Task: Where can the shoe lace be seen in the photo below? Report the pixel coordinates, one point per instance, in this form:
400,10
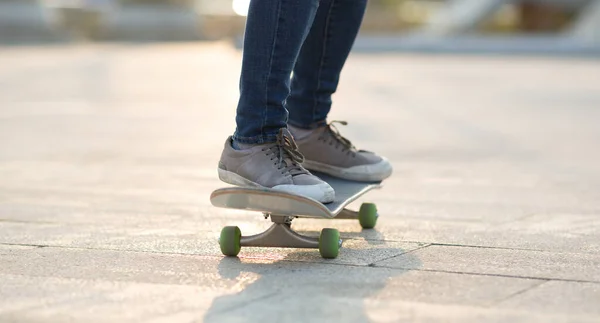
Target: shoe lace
337,139
285,151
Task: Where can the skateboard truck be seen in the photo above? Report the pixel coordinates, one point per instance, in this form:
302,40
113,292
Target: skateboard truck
280,235
346,214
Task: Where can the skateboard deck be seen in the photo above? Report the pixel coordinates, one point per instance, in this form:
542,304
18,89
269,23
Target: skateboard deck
287,204
283,207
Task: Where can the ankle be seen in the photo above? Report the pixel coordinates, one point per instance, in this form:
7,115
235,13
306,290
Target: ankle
240,145
300,133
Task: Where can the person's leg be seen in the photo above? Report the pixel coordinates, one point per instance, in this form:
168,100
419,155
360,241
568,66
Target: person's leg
322,57
275,31
316,77
262,153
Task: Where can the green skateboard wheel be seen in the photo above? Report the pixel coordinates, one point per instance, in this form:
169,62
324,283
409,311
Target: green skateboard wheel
329,243
229,241
367,215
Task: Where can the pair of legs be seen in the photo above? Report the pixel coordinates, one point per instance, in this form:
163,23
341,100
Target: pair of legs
312,39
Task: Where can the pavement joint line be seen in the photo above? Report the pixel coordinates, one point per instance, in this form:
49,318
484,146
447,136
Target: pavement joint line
325,263
466,245
494,275
374,264
543,280
421,243
322,262
197,255
110,249
524,290
371,265
502,248
25,245
421,246
182,254
486,247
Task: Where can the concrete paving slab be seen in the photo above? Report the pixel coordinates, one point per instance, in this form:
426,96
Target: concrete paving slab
509,262
569,298
450,288
400,311
349,309
246,285
37,299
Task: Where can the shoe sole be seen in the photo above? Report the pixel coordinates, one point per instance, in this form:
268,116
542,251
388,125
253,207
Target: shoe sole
237,180
361,173
326,192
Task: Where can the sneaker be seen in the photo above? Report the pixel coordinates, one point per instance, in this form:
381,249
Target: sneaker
275,165
326,151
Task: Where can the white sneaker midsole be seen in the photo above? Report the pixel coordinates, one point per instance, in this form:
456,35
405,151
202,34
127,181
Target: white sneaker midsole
323,192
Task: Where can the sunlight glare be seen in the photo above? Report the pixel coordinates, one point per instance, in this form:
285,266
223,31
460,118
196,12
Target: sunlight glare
240,7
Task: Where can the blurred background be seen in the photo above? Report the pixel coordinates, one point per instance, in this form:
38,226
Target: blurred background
507,25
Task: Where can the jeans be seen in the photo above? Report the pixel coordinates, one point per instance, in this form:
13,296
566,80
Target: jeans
312,39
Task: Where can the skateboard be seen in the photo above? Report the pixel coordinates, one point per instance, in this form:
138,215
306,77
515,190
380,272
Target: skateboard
283,207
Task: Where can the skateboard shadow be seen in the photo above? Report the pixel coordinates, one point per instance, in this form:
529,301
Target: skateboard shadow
302,287
371,236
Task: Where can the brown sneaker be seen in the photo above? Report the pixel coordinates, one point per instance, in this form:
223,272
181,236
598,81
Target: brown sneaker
274,165
325,150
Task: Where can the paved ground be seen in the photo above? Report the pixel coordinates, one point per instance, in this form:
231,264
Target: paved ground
108,155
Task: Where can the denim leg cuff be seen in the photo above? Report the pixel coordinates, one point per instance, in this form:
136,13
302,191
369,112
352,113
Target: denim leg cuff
256,140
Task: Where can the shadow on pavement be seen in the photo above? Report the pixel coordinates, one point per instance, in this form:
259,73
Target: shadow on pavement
371,236
302,287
